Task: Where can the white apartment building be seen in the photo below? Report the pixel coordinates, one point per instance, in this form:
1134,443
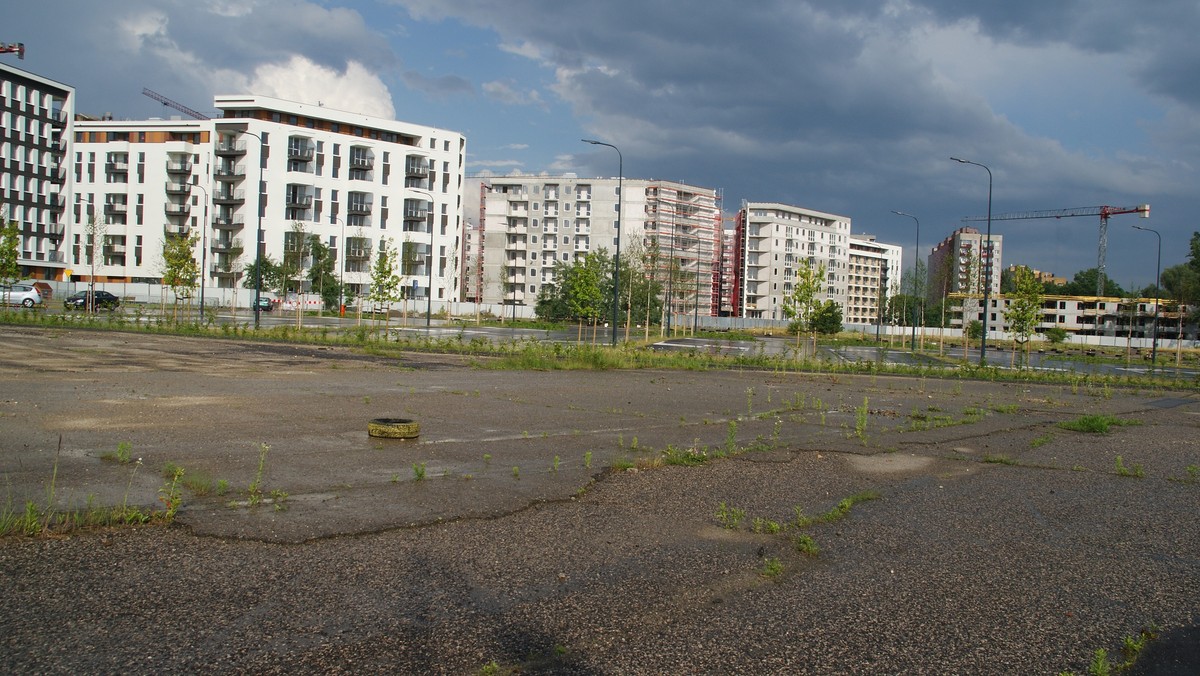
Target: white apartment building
873,276
520,227
775,238
37,117
961,263
353,180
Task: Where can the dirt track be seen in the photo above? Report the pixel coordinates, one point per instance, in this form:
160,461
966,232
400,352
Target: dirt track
961,565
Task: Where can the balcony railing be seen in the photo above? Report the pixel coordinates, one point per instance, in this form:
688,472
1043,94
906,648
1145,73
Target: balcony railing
178,188
235,171
179,167
362,162
176,229
119,167
304,153
298,201
115,208
230,148
358,208
412,168
228,223
173,209
416,214
230,197
358,254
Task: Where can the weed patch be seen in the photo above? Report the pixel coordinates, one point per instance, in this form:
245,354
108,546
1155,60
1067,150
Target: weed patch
1096,424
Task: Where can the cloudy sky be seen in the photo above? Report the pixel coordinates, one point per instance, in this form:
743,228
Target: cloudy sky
851,107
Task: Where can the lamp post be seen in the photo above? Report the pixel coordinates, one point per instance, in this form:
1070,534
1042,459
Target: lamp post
916,262
203,248
258,238
671,274
1157,272
617,255
341,267
987,288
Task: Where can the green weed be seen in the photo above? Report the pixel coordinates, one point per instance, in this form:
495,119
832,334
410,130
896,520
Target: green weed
587,460
761,525
418,469
729,517
1041,441
806,545
1096,423
1136,471
771,567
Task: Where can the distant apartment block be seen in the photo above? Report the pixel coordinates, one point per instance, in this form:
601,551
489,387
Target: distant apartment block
963,263
277,167
774,239
873,275
37,118
521,227
1082,315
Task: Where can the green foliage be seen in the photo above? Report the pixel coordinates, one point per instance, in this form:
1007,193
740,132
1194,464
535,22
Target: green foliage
10,243
418,469
974,329
771,567
385,283
802,303
806,545
1056,335
1136,471
827,319
322,276
729,517
582,290
180,270
1095,423
1025,309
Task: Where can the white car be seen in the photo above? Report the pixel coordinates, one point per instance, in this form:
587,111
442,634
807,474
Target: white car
25,295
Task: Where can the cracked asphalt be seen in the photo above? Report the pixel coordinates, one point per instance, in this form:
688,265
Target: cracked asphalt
997,542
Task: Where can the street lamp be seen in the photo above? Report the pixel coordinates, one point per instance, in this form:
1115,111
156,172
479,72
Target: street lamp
916,264
258,240
1157,272
617,255
203,248
987,288
341,267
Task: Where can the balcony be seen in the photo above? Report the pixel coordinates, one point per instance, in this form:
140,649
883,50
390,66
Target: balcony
230,172
414,167
358,253
304,153
229,223
298,201
416,214
226,245
114,249
178,188
361,162
360,208
117,167
176,230
115,209
229,197
229,148
218,270
173,209
179,167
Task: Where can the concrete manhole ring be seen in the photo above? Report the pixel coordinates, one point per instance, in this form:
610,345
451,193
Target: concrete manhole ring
394,428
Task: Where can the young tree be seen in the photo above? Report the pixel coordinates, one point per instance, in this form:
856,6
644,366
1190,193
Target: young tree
385,283
827,320
585,287
96,231
10,243
322,276
297,245
800,305
272,274
180,271
1025,310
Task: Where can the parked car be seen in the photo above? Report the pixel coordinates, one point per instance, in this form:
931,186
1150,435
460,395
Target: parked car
25,295
265,304
103,300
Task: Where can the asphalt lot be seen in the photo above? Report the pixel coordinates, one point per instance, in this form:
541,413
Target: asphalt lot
998,543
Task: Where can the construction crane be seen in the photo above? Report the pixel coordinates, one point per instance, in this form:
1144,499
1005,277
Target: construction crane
174,104
17,48
1103,212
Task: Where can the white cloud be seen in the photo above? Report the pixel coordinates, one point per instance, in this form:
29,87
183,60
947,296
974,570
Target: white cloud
515,146
355,89
506,94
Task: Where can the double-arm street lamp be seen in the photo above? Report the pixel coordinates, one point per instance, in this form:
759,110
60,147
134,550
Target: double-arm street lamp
987,250
617,255
916,269
1157,292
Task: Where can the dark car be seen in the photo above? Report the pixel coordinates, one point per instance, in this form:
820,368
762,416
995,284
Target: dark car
265,304
103,300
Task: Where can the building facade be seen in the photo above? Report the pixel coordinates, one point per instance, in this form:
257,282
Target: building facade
966,263
521,227
37,117
873,276
775,238
267,171
1083,315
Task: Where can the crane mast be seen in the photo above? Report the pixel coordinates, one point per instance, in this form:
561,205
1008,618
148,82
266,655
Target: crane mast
1102,211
